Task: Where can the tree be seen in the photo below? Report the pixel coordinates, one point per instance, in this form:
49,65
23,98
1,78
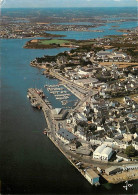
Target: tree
130,151
89,118
133,129
82,124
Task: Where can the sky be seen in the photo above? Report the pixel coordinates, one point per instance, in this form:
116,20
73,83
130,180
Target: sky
68,3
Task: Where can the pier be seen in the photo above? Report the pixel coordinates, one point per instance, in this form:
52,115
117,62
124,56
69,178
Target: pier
35,97
44,104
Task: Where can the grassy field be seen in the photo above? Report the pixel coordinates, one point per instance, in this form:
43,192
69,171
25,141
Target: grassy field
53,41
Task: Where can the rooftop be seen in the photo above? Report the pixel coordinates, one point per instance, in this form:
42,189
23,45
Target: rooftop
66,134
99,149
91,173
107,151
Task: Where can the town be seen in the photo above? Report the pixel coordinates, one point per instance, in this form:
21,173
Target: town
19,28
13,27
99,136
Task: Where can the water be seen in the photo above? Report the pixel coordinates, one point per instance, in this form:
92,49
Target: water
107,30
29,162
28,157
75,23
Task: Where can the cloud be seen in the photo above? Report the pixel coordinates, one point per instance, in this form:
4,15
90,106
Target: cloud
117,0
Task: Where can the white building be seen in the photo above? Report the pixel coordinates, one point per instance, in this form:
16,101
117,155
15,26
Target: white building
103,153
106,153
97,152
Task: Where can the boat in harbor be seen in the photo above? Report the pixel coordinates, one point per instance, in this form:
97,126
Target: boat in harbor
62,98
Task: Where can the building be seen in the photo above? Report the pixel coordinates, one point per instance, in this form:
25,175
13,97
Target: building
83,151
97,152
103,54
112,56
103,153
81,117
106,153
59,113
123,156
113,170
130,167
66,136
92,177
86,82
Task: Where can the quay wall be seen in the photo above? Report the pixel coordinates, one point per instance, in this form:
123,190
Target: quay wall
54,142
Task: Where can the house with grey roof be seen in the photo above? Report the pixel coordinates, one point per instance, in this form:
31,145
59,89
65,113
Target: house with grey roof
66,136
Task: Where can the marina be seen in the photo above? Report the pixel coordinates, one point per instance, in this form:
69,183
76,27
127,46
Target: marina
59,92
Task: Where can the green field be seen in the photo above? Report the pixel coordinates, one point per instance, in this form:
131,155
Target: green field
53,41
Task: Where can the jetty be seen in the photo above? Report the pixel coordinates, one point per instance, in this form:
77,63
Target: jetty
37,98
43,104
